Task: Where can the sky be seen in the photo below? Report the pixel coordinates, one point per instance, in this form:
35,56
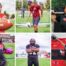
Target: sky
42,39
8,5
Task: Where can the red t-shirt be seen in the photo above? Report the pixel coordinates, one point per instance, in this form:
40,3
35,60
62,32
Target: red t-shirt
34,9
1,16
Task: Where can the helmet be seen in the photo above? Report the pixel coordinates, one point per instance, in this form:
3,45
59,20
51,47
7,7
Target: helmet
8,51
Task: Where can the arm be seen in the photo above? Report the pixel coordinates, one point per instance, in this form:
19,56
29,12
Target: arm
28,50
30,9
35,49
41,10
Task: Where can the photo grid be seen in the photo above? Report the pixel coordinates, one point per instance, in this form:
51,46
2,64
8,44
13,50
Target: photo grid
32,32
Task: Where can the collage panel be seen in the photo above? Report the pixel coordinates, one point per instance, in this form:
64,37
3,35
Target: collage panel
32,15
33,49
32,33
58,15
7,15
58,44
7,50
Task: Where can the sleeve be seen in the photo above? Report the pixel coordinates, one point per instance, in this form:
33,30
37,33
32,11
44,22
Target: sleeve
27,47
31,8
37,46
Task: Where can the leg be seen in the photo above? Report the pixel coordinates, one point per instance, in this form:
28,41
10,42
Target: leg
35,28
29,62
36,63
35,23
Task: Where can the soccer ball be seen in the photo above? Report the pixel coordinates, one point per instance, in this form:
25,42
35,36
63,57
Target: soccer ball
29,25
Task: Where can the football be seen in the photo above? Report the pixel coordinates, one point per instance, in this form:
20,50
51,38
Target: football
5,25
8,51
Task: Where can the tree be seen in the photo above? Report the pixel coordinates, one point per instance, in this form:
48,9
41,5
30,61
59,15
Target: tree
58,3
48,4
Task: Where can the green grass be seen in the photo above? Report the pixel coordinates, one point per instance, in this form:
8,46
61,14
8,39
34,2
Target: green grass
41,29
44,19
10,58
23,62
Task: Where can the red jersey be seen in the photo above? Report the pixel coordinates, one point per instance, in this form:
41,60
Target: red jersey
34,9
1,16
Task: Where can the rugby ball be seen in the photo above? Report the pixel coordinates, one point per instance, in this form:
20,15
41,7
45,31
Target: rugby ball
5,25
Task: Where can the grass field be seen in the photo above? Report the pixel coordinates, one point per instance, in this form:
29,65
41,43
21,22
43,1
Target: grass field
44,19
10,58
23,62
40,29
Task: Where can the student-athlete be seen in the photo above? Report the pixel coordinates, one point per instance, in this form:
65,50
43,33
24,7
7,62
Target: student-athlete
4,23
2,58
36,11
32,49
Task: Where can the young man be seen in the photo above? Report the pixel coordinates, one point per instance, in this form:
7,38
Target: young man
2,58
4,23
32,49
36,12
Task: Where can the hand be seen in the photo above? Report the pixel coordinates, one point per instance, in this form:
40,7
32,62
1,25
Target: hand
33,48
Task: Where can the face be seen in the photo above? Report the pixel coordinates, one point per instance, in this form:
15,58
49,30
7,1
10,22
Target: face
65,10
32,41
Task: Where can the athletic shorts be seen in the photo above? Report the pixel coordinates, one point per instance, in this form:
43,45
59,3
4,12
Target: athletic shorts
36,20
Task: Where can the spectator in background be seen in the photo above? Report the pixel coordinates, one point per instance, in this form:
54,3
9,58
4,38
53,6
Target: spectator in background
23,11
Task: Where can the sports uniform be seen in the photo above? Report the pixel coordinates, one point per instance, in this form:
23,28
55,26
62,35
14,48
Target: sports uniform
32,57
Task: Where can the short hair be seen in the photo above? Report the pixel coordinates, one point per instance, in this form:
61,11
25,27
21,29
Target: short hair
32,39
